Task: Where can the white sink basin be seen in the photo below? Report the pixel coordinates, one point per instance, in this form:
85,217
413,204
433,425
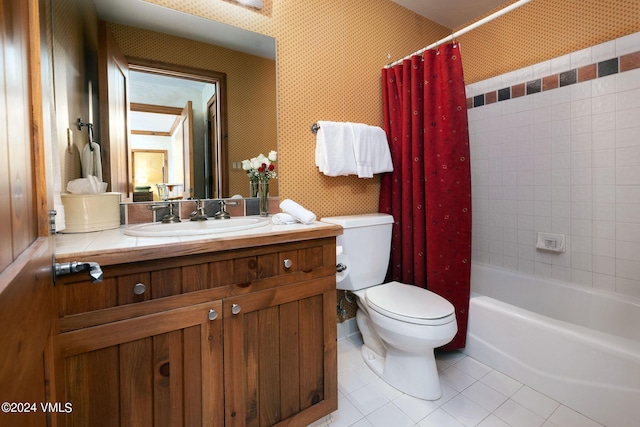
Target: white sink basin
196,228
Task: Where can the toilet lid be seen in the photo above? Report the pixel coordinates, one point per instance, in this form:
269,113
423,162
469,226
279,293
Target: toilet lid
410,304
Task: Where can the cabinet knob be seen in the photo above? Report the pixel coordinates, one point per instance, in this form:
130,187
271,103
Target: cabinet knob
235,309
139,288
287,263
213,315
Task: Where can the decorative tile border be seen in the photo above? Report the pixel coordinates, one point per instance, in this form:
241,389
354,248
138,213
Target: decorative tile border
577,75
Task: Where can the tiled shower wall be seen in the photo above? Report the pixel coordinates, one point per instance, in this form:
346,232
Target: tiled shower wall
561,157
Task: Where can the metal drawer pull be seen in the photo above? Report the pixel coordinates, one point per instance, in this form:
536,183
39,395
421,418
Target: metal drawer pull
287,263
213,315
235,309
139,288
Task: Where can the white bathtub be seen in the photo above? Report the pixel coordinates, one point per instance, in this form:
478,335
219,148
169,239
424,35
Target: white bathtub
577,345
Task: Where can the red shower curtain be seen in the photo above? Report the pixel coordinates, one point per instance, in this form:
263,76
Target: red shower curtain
429,191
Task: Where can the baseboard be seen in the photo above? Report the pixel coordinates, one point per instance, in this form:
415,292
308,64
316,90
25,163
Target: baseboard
347,328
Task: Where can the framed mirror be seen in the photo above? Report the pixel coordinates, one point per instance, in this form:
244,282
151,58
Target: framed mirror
222,137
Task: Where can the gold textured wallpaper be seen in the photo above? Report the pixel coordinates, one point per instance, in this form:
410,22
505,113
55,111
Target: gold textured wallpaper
330,52
544,29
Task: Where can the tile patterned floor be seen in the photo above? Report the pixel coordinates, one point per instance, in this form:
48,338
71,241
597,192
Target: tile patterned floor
473,395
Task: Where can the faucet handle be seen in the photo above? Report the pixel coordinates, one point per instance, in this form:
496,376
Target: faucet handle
199,208
222,213
198,214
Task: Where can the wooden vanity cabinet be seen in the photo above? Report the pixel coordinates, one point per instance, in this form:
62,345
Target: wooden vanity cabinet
244,337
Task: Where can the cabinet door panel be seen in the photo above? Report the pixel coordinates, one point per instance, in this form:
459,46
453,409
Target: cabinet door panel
269,368
167,370
168,379
135,366
290,359
279,354
92,378
311,351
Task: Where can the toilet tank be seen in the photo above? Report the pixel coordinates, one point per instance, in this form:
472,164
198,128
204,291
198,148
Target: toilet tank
366,246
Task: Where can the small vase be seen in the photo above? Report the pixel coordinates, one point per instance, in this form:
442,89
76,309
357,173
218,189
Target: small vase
253,188
263,195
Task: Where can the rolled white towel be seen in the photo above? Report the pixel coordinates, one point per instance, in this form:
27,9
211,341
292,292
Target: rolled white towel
283,218
298,212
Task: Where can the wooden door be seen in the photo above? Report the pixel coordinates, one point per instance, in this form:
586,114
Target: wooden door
279,355
113,76
26,250
214,180
186,129
162,369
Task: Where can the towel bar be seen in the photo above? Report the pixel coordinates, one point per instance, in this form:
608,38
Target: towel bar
314,128
89,131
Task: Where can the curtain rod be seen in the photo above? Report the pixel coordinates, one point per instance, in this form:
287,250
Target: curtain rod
464,30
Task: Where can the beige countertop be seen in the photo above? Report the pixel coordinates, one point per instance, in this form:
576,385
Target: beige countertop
115,247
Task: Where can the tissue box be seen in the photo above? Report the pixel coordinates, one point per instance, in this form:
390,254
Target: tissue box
91,212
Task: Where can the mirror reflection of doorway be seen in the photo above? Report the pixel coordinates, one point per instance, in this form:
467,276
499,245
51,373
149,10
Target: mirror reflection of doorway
149,167
160,127
166,85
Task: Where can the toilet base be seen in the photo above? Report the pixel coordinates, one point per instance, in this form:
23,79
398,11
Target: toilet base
414,375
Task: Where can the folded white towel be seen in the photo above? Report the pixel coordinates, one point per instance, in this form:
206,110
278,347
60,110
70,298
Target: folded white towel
283,218
334,149
371,150
298,212
88,185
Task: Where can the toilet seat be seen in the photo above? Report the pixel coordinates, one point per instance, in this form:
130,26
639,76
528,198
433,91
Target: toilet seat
410,304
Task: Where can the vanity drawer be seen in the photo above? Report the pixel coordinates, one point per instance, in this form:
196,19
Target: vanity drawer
220,274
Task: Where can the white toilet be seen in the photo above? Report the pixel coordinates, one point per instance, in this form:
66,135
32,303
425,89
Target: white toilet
400,324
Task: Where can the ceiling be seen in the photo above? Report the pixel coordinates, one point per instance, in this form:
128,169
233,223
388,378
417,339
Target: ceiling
139,13
157,122
451,13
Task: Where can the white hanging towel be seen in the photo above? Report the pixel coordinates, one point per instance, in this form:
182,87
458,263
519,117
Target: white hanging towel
334,149
91,160
371,150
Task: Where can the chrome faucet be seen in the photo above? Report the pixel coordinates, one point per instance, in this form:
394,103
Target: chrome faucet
198,214
171,217
222,213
